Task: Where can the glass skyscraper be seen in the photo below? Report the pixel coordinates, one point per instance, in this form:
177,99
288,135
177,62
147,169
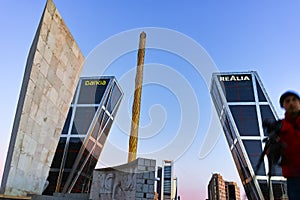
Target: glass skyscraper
165,186
85,131
242,104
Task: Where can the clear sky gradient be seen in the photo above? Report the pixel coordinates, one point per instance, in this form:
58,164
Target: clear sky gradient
262,36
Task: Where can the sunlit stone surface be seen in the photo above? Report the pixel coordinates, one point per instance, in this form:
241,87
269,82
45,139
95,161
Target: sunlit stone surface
52,72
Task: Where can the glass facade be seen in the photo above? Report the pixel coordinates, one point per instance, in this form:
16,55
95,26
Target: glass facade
165,187
242,104
86,128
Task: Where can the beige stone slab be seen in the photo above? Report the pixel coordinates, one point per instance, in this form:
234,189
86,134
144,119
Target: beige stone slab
52,72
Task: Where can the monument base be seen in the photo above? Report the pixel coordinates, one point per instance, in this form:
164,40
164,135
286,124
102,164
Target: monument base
134,180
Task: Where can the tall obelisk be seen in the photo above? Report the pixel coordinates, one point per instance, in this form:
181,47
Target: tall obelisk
133,140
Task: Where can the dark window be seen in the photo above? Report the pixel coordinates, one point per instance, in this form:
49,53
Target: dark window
238,91
92,91
73,150
167,186
114,98
73,101
97,127
279,189
264,188
239,164
87,164
254,149
52,178
231,192
217,99
167,172
261,96
245,118
59,153
242,160
64,179
83,119
85,156
228,130
67,122
266,114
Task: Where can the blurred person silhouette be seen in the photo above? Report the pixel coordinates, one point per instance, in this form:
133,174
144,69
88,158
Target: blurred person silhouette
289,134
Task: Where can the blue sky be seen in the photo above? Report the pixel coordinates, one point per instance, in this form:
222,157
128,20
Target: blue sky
262,36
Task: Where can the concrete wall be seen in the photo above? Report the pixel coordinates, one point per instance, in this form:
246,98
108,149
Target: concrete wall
134,180
52,72
60,196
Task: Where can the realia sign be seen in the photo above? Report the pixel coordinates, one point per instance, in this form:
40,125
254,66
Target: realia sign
245,77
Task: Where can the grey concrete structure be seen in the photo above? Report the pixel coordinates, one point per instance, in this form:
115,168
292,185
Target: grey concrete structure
134,180
61,196
52,72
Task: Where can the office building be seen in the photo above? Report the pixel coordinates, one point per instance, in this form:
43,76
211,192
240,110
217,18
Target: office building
219,189
165,184
175,186
242,104
232,191
216,188
83,136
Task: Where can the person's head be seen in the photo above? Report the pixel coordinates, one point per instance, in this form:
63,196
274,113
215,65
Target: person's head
290,101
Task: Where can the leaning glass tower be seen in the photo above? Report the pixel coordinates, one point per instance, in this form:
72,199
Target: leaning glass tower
91,114
242,104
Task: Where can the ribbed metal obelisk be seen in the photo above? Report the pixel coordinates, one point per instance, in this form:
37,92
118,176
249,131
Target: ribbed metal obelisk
133,140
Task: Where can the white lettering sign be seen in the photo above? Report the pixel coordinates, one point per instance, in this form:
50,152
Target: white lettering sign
235,78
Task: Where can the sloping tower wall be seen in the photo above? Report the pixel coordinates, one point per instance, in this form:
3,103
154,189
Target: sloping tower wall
51,75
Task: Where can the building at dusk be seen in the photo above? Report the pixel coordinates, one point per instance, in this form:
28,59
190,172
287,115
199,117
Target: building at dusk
218,189
90,117
167,184
242,104
232,190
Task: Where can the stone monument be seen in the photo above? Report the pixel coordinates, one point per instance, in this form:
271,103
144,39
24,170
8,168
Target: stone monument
51,75
134,180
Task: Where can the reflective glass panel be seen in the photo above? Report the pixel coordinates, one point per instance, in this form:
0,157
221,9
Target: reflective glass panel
261,96
237,88
83,119
67,122
73,150
254,150
114,98
245,118
92,90
59,153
